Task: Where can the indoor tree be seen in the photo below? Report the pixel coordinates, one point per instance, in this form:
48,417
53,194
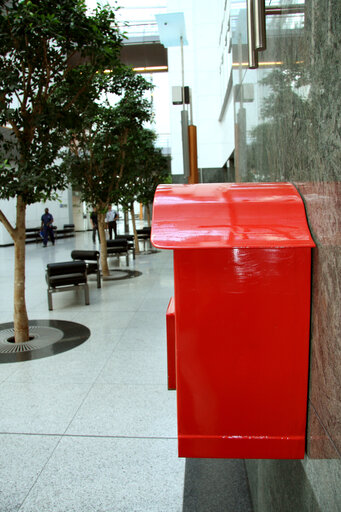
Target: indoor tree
154,169
97,160
128,191
148,168
50,55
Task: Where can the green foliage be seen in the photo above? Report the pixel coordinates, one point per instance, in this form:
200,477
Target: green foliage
51,53
148,168
153,169
99,161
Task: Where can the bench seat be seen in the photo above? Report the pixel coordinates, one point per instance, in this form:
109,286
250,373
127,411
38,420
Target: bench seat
65,276
91,259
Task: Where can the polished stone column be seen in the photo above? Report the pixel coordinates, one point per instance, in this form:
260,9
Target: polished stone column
291,131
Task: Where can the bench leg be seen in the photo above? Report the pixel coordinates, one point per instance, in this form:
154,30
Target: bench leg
98,278
86,291
49,300
127,259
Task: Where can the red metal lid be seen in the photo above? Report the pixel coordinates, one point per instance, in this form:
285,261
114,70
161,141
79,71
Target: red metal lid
210,215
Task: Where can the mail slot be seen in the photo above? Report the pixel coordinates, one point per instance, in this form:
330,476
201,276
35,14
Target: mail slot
241,311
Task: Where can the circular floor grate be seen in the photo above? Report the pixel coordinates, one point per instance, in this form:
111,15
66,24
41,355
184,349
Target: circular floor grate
148,251
117,274
49,337
42,337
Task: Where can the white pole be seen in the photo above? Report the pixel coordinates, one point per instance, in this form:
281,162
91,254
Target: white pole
182,71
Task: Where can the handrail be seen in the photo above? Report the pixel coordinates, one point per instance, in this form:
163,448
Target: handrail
259,17
252,54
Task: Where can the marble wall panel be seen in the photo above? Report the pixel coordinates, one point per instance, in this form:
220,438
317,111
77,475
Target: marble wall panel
319,439
323,206
292,132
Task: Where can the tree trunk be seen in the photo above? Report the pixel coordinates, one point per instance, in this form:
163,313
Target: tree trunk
148,213
136,240
126,222
21,331
103,241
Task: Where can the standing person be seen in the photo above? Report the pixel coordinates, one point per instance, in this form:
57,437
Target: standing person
94,223
46,227
110,218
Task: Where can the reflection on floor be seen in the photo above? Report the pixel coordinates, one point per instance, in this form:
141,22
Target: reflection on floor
94,428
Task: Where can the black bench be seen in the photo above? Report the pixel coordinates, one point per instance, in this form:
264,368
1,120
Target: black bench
91,259
65,276
144,235
33,234
130,239
118,247
67,231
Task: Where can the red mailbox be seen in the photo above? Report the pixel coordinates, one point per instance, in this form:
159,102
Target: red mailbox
170,323
241,311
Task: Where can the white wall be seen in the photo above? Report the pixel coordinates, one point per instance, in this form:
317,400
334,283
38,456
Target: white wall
202,58
175,79
59,209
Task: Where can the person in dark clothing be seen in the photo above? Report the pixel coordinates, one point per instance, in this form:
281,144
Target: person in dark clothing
94,223
46,227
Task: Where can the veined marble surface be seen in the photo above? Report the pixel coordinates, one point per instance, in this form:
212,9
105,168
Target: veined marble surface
288,128
323,205
291,131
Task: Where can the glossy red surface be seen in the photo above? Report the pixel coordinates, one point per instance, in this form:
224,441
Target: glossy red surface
229,215
242,350
170,324
241,316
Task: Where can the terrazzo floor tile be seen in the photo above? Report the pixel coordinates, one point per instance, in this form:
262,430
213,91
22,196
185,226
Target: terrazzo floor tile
72,367
117,304
22,459
143,339
134,287
135,367
7,370
140,284
155,305
42,313
39,408
126,410
68,301
6,314
105,319
102,338
148,319
163,285
108,397
110,475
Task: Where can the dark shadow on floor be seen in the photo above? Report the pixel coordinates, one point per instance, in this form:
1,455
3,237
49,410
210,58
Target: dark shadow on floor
216,485
283,486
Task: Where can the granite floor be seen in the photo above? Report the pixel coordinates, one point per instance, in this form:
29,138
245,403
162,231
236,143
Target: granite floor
93,429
